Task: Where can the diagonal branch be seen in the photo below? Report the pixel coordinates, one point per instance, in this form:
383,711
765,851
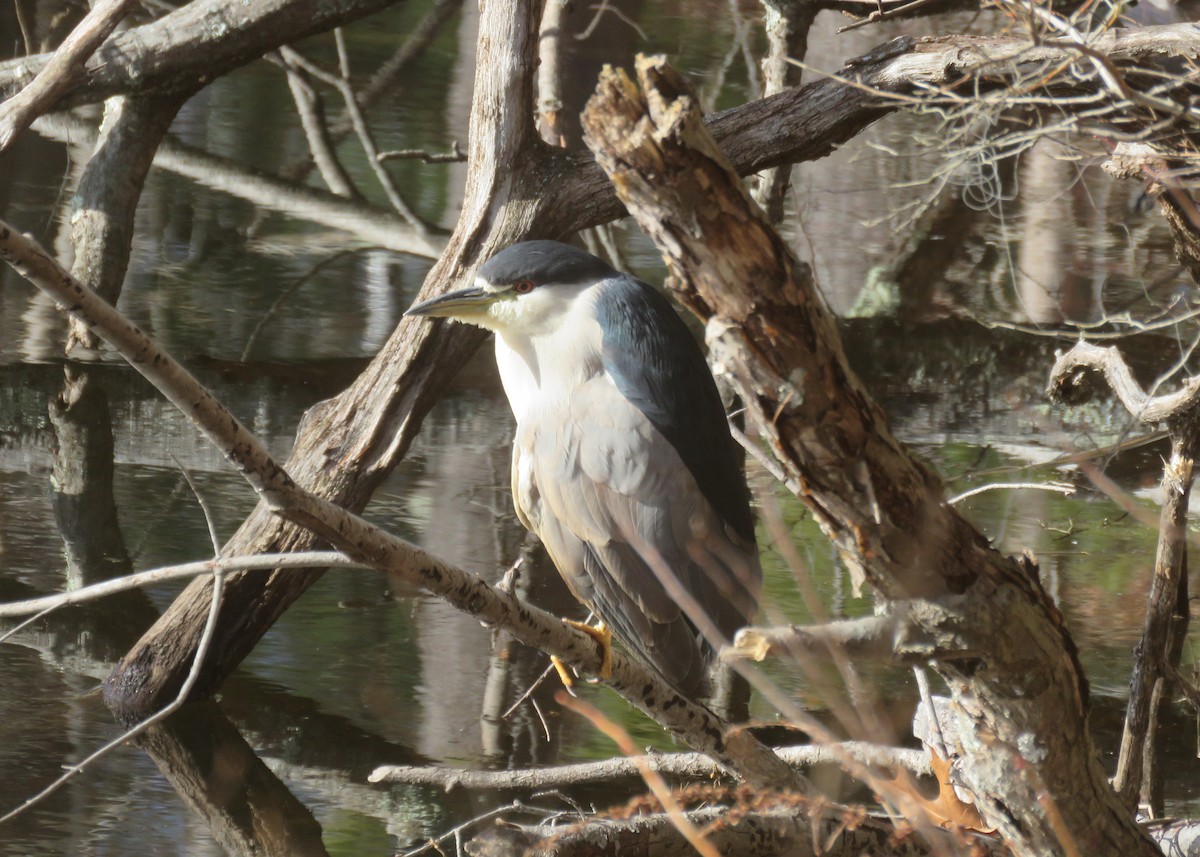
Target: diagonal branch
375,548
62,69
519,189
202,39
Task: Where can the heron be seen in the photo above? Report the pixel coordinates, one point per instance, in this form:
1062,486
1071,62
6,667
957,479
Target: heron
623,462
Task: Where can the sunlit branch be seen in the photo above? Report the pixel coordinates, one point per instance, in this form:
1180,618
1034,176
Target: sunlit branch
1056,487
226,564
361,540
455,155
691,765
1070,382
363,222
316,131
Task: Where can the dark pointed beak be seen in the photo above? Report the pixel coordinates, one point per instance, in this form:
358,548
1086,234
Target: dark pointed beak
463,303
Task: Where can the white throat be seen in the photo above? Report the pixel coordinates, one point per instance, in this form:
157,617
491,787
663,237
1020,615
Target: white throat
540,371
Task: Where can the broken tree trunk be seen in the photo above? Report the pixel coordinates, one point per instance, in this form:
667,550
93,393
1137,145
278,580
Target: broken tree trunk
982,619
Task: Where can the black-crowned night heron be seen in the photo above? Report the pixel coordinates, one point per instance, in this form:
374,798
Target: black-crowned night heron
623,463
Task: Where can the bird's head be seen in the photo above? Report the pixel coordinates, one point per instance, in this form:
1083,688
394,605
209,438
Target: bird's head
526,289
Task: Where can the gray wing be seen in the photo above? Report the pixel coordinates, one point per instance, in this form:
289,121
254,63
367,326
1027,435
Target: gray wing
629,529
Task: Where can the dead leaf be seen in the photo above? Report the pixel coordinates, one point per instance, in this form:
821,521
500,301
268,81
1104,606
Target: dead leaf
947,809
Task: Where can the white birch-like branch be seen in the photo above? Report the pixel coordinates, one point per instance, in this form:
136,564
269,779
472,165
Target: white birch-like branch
737,750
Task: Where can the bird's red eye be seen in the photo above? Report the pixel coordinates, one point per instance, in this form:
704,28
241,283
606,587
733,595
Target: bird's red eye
523,287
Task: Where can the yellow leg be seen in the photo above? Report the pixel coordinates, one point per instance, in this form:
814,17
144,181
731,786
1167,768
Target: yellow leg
600,633
564,673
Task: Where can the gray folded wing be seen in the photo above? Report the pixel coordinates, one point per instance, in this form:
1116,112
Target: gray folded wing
630,530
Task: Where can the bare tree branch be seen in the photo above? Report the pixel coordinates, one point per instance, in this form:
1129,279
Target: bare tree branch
226,564
201,39
362,221
1157,655
795,827
218,578
1073,372
691,765
377,549
312,119
61,70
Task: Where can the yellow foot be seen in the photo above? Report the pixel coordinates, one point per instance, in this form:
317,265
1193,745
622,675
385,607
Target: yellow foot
600,633
564,673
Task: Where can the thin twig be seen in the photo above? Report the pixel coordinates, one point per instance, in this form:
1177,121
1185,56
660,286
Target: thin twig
542,717
528,693
1058,487
20,626
296,284
886,14
602,7
927,700
456,832
455,155
38,607
207,512
316,131
365,138
218,589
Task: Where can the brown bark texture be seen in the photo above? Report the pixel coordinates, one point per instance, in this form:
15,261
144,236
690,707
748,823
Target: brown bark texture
983,620
345,446
247,808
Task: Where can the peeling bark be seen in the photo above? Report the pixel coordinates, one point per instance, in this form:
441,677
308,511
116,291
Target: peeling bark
996,637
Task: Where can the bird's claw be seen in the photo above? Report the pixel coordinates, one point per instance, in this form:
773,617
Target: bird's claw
602,635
